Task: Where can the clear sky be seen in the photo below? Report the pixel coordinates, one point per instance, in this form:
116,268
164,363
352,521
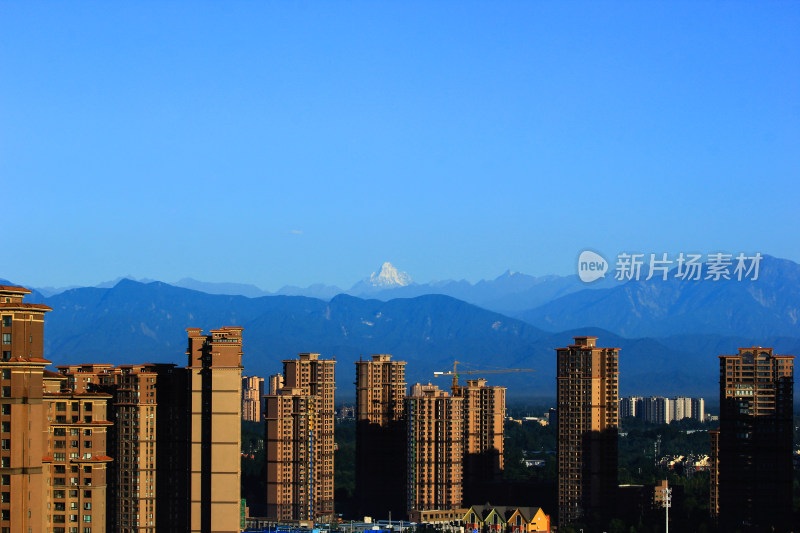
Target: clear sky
297,142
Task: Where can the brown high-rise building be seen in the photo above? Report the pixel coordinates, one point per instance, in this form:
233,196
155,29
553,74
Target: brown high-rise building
299,429
148,480
380,437
215,437
484,413
252,393
754,480
290,448
22,415
588,390
435,449
76,462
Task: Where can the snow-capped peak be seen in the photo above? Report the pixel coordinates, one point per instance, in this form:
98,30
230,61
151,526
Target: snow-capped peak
389,276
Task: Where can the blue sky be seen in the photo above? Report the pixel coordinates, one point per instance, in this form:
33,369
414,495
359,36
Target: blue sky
297,142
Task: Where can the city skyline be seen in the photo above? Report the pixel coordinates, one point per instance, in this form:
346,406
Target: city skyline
441,138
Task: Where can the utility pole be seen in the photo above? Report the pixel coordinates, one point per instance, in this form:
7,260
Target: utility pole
667,504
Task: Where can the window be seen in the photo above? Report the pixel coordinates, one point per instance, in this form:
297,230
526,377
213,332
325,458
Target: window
6,321
6,355
5,444
6,392
6,462
87,506
61,406
6,374
5,497
5,479
5,427
6,408
6,338
87,518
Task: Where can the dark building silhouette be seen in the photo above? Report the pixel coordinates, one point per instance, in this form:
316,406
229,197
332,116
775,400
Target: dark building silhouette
380,437
587,389
754,478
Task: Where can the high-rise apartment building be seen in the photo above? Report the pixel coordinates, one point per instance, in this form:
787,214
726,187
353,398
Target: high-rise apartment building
698,409
657,410
22,415
252,392
290,447
148,488
300,445
754,481
275,384
484,412
587,389
661,410
435,449
630,407
215,437
380,437
75,465
713,473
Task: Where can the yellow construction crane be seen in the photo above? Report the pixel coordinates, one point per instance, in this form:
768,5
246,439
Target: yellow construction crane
489,370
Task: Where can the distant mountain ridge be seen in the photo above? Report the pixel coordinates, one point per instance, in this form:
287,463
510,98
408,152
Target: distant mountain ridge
766,307
135,322
509,293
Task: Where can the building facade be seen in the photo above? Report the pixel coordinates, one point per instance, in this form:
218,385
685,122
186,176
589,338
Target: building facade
22,417
380,436
435,449
587,396
754,479
290,465
215,438
299,437
76,462
484,413
252,393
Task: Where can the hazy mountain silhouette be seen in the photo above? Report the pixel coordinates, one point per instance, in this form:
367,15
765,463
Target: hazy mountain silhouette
766,307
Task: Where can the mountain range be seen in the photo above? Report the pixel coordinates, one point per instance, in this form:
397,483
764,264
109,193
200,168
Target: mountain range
670,332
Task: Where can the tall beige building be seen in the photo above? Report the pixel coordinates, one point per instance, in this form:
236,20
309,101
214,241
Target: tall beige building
252,393
275,384
588,417
302,414
215,438
484,413
435,449
380,436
